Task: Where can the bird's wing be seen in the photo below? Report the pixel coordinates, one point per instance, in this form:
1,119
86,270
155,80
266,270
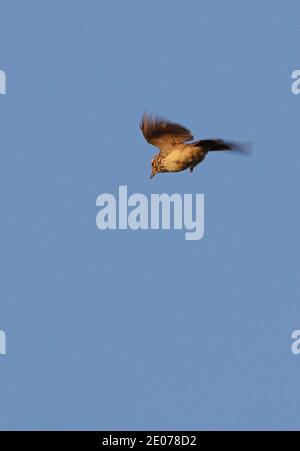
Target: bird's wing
163,133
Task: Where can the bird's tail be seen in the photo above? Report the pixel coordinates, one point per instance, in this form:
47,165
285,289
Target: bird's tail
211,145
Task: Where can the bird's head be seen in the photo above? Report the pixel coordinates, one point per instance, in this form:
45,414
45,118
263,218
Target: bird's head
155,167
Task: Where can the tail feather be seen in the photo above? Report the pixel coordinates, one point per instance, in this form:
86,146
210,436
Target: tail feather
211,145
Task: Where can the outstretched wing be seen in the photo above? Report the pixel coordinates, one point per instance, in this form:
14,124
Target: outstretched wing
162,133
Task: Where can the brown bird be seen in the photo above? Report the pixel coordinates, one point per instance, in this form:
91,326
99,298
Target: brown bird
176,154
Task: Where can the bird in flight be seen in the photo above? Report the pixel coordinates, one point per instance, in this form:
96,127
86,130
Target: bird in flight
176,153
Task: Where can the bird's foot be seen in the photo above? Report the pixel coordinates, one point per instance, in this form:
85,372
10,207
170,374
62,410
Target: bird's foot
191,169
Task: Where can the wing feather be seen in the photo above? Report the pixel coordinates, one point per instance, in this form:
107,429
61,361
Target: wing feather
162,133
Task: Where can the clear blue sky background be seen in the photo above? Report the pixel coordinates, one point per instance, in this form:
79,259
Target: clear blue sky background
144,330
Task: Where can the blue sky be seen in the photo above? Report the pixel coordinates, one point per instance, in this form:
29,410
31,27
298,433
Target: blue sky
144,330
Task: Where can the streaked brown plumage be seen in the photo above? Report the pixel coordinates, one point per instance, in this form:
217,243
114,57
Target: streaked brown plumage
176,154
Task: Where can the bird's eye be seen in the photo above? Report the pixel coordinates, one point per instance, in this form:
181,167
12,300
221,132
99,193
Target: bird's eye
152,162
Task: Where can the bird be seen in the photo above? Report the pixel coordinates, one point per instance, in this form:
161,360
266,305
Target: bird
176,152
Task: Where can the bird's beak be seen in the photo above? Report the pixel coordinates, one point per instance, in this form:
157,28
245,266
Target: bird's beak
153,172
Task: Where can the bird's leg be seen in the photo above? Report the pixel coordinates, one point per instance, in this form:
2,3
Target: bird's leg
191,169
